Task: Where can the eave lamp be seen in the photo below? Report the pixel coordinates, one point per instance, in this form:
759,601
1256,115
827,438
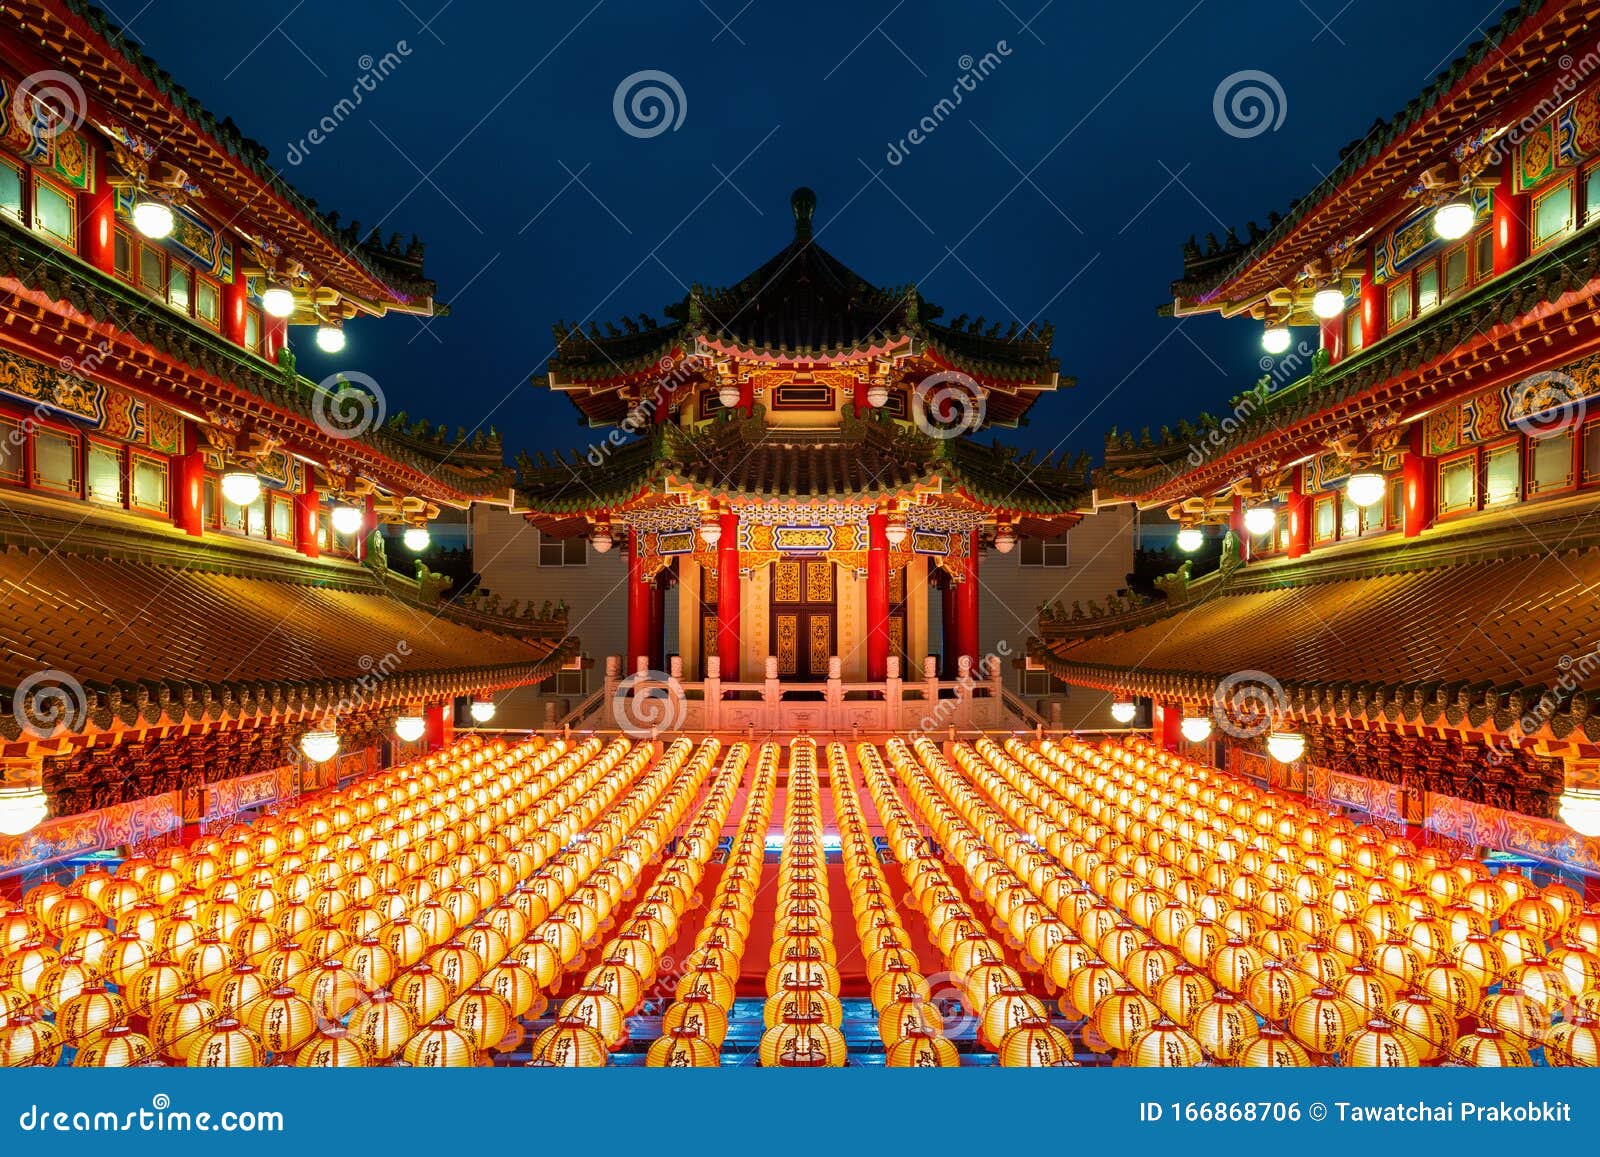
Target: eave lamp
23,805
347,519
1004,539
1190,539
152,216
729,396
320,744
408,728
1259,520
877,396
1123,710
330,335
1455,218
1365,488
1580,810
277,299
416,538
1328,303
896,534
240,486
1196,728
1286,746
482,709
711,532
1275,339
601,538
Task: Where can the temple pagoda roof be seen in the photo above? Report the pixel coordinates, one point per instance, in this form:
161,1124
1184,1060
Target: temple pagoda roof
1480,89
802,305
160,632
218,156
864,461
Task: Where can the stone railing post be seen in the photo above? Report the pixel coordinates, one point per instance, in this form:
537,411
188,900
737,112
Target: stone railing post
613,676
713,692
770,692
549,714
834,695
964,691
892,690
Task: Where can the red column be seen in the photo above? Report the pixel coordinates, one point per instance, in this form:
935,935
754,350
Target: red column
858,398
368,525
189,487
1333,337
638,609
949,626
306,508
277,334
968,599
1417,478
1374,315
1168,721
877,597
658,623
728,635
747,404
1299,515
97,219
235,299
441,725
1512,235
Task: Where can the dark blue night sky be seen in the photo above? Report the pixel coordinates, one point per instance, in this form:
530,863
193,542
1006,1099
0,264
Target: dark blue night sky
1062,188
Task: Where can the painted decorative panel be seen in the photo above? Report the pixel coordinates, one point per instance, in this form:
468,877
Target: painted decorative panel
1492,827
821,642
57,839
1571,135
1505,409
819,582
1414,239
788,644
113,412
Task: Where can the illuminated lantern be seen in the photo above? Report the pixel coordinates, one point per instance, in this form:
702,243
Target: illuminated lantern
153,986
1489,1048
595,1009
88,1012
1273,1049
226,1045
682,1049
115,1047
439,1044
1456,990
382,1025
804,1045
1323,1021
1232,964
1517,1015
1036,1046
1323,965
1012,1009
1481,959
1574,1043
1380,1046
569,1045
1427,1023
1122,1016
699,1015
515,984
482,1015
282,1020
619,982
28,1042
920,1049
1165,1045
1182,992
1543,981
540,959
332,1047
1368,991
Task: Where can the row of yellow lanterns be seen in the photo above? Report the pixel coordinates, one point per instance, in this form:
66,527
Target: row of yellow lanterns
695,1024
802,1013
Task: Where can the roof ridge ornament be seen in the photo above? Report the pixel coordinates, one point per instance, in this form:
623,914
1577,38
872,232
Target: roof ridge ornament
804,203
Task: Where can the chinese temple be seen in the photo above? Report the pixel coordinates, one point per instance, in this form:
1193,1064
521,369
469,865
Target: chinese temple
259,808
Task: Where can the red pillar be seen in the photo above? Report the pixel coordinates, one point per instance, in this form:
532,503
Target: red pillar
1417,478
1333,338
728,635
1374,315
639,600
949,626
189,487
235,301
1512,235
658,623
858,398
877,597
967,597
97,219
747,404
441,725
277,336
306,508
1168,721
1299,515
368,525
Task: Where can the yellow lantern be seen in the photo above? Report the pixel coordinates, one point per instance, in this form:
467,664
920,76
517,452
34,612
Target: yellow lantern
1380,1046
1427,1023
226,1045
1323,1021
1489,1048
439,1044
699,1015
569,1045
1273,1049
1165,1045
282,1020
805,1045
382,1025
1035,1046
333,1047
114,1047
1574,1043
682,1049
919,1049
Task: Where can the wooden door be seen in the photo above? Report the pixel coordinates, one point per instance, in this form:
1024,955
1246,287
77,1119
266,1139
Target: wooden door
804,618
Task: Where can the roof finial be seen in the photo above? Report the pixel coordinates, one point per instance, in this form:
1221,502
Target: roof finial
804,203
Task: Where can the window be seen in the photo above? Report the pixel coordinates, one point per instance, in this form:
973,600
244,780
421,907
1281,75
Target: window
1458,483
1455,270
178,286
208,302
1502,474
1427,288
104,473
11,191
153,270
1552,214
252,330
1591,195
122,249
1591,453
13,458
1400,302
283,518
1483,256
55,212
149,489
1324,526
1550,462
1045,552
1036,680
563,551
1353,338
572,679
1397,503
55,460
256,524
1349,520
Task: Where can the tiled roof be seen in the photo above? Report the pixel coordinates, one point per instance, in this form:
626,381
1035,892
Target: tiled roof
1471,644
199,642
